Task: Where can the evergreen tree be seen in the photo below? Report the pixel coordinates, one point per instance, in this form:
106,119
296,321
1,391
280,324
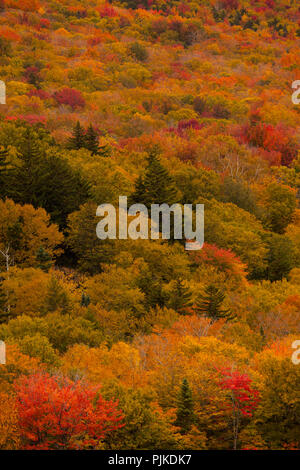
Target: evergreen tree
48,182
85,300
25,182
210,304
185,416
43,259
56,298
156,185
139,193
91,140
66,189
78,139
180,297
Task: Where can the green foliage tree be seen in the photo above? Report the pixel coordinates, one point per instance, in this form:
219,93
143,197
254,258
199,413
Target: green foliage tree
279,207
139,51
77,141
145,426
185,416
46,181
180,297
28,181
210,304
44,260
156,186
280,257
239,193
91,140
56,298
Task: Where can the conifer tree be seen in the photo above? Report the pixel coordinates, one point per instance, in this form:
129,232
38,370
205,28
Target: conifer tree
156,185
56,298
185,416
85,300
78,140
43,259
180,297
25,184
91,140
139,193
210,304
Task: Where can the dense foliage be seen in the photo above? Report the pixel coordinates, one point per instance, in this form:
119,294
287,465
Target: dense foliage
152,346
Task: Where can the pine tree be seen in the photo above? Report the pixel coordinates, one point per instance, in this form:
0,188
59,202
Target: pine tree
210,304
43,259
156,185
185,416
78,140
91,140
180,297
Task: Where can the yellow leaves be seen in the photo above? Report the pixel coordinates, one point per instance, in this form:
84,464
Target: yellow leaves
182,114
35,231
17,363
9,430
15,88
99,365
27,289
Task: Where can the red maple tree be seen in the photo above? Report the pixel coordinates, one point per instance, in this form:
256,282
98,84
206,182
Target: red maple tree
243,399
58,413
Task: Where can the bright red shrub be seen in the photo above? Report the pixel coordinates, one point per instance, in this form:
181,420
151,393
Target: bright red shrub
70,97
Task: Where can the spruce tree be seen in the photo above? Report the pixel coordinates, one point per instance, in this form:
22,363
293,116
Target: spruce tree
25,182
185,416
78,140
180,297
156,185
66,189
91,140
44,260
139,193
210,304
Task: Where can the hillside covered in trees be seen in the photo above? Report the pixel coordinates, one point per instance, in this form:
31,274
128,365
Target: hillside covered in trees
152,345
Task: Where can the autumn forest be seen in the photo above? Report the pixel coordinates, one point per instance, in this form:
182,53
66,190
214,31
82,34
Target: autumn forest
143,344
